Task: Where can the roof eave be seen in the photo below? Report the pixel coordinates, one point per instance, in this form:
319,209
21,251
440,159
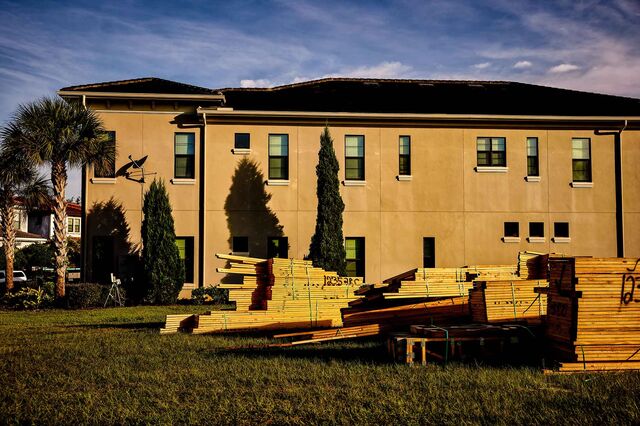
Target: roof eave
145,96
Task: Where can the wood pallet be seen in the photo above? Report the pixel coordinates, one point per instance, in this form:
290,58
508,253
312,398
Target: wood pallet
274,294
508,301
442,344
593,318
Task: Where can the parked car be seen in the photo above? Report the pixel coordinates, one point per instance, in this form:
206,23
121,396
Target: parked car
18,276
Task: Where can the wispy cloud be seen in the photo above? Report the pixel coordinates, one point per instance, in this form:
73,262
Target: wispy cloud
522,64
261,82
381,70
561,68
482,65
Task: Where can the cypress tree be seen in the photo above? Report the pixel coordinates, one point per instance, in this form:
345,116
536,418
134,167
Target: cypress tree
164,271
327,244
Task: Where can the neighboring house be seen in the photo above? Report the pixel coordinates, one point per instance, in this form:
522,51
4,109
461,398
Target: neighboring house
443,173
41,222
20,224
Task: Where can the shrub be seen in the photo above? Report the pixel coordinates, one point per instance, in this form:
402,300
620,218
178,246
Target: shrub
209,295
86,295
28,298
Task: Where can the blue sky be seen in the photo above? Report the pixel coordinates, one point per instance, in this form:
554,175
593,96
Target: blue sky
586,45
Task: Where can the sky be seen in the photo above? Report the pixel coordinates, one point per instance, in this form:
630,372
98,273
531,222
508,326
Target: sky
586,45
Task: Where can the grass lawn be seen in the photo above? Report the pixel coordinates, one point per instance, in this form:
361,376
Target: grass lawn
108,366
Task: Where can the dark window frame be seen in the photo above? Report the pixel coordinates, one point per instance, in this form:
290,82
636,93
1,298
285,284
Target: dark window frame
236,244
509,232
490,161
404,167
557,226
533,161
190,169
108,174
429,262
575,161
359,261
533,232
237,144
189,258
359,160
282,249
284,165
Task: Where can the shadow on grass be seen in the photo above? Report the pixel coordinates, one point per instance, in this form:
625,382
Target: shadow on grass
124,326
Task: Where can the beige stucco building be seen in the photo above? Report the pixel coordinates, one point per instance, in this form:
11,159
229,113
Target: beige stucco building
432,172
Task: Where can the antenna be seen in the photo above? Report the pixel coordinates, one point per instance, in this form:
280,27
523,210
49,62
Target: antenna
136,176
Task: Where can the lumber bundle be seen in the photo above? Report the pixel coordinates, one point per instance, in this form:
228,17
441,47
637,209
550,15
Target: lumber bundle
508,301
274,294
593,315
532,265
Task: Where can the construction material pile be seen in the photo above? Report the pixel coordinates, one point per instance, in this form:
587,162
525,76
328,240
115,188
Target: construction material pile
422,296
593,315
508,301
274,294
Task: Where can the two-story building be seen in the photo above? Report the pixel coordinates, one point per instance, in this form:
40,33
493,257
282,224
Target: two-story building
433,173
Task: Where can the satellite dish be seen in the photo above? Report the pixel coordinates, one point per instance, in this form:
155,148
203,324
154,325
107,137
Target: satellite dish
137,164
122,171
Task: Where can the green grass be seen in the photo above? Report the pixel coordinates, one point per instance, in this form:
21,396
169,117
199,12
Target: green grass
108,366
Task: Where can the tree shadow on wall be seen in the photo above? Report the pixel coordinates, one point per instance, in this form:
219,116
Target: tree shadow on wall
248,213
109,249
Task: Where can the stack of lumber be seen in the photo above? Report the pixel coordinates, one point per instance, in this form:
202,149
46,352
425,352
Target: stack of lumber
593,315
444,311
532,265
508,301
274,294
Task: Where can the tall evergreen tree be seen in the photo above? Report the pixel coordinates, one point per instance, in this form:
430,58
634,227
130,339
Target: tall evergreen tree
164,271
327,244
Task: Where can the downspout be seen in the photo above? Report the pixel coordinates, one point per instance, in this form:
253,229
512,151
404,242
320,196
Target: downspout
202,210
83,216
617,153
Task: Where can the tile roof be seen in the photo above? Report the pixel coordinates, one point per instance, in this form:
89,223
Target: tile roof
143,85
23,235
429,97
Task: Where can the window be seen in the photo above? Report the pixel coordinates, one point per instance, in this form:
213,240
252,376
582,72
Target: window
536,229
17,222
76,225
185,155
428,252
532,157
240,245
185,249
405,156
354,248
279,157
354,157
242,141
581,159
512,229
561,229
492,152
110,171
69,224
278,247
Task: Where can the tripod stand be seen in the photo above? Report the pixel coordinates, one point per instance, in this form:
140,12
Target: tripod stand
114,293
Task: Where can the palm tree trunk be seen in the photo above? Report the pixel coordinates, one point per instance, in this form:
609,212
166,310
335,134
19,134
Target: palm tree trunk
59,181
9,236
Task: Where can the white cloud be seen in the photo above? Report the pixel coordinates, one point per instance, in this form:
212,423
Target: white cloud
522,64
563,68
482,65
381,70
256,83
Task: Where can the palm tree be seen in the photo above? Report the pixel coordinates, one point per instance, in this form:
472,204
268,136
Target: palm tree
52,132
17,179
